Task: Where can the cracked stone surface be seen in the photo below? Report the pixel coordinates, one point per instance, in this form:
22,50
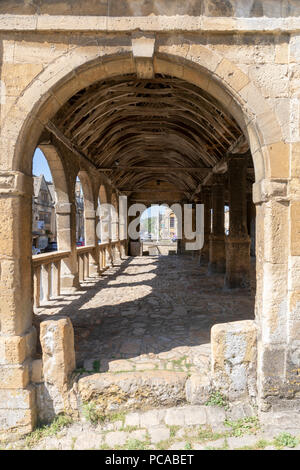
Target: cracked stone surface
151,312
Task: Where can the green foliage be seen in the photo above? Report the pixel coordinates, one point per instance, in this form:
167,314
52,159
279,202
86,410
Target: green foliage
261,444
217,399
46,430
92,414
96,366
82,370
148,224
209,435
243,426
173,430
135,444
117,416
188,446
285,440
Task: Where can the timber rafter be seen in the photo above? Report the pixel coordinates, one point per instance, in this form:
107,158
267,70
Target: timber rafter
141,130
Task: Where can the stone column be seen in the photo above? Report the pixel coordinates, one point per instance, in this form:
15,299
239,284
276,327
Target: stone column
277,375
66,238
181,245
17,334
135,247
90,239
206,201
238,241
217,237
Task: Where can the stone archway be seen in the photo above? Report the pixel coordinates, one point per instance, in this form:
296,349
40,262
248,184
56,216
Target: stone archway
227,83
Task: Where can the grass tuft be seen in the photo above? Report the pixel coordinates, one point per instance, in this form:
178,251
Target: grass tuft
243,426
285,439
45,430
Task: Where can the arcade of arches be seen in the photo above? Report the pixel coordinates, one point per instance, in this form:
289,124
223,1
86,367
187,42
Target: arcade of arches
189,109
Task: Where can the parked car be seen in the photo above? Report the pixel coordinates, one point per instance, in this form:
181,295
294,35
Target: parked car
80,243
52,246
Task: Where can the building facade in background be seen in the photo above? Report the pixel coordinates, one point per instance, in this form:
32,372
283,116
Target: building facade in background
43,213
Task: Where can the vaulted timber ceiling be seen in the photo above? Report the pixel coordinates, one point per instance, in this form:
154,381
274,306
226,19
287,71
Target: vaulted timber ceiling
140,131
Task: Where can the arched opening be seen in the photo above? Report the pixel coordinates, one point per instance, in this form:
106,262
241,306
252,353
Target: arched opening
166,140
44,236
50,222
122,137
159,230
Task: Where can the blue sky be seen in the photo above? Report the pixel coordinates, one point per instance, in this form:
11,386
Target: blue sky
40,165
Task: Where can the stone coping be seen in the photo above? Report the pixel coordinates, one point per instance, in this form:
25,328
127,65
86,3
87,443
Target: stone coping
158,23
44,258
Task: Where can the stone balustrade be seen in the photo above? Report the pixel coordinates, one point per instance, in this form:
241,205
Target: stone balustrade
47,267
46,275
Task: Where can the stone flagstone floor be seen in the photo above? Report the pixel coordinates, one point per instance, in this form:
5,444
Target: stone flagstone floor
151,312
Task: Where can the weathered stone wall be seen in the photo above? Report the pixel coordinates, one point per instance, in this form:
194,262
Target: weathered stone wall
243,53
240,8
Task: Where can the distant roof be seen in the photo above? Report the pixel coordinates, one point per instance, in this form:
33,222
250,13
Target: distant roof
51,190
39,183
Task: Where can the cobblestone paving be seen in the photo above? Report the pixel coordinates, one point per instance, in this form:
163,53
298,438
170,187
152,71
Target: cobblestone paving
151,312
181,428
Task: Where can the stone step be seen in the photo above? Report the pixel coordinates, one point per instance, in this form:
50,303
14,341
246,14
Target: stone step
144,389
140,389
133,390
190,415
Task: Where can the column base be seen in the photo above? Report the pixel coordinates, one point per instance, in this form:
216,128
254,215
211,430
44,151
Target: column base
237,263
69,283
204,254
217,258
136,248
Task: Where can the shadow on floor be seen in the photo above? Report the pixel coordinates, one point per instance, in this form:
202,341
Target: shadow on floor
150,308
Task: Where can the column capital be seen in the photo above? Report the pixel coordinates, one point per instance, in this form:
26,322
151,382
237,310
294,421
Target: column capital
267,189
63,208
90,214
15,183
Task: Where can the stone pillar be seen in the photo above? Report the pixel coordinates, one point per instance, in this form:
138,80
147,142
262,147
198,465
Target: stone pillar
206,201
66,239
276,386
184,229
17,334
217,237
90,238
234,359
135,247
57,341
238,241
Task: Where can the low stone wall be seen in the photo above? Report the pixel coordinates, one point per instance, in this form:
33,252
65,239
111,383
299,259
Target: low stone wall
233,373
234,355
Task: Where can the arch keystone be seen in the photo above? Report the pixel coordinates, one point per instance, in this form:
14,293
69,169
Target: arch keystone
143,52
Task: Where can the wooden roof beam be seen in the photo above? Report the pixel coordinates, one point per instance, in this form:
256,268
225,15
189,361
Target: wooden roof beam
76,150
